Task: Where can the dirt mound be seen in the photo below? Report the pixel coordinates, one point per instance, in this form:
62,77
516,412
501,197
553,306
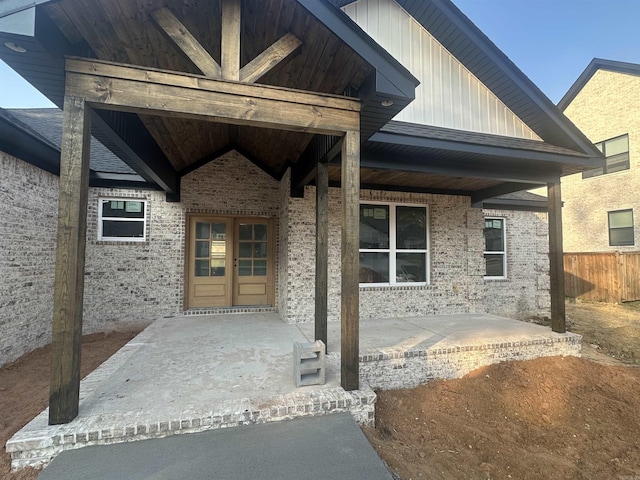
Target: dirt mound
553,418
24,388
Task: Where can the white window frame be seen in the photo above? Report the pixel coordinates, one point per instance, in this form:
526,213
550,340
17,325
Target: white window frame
392,250
502,252
102,238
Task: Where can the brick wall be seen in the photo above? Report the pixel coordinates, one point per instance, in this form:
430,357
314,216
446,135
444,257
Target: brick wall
606,107
456,260
28,223
133,283
126,283
525,291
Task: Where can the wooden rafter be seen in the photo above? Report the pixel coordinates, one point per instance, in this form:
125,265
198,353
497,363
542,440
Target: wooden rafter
230,43
272,56
170,26
141,90
178,33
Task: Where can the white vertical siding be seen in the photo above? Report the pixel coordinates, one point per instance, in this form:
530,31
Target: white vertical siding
449,95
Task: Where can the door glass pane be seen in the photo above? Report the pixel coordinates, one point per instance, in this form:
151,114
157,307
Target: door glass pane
245,250
218,231
217,267
259,268
411,228
246,231
260,231
494,265
374,226
202,268
202,230
374,267
411,267
202,249
244,268
260,250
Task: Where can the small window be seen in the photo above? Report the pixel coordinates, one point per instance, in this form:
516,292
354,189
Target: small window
122,220
616,152
621,228
495,250
393,244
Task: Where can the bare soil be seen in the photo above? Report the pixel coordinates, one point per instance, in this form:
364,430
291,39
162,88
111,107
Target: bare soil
24,388
551,418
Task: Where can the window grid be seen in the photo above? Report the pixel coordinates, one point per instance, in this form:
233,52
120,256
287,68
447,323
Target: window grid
616,162
392,251
502,253
621,227
102,219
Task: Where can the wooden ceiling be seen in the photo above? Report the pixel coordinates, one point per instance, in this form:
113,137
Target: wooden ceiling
123,31
370,177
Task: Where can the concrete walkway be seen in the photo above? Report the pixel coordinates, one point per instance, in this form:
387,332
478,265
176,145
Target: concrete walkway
315,448
196,373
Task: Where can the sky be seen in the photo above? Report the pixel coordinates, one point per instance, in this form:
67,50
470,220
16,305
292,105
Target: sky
551,41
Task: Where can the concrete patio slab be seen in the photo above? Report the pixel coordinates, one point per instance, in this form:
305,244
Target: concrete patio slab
194,373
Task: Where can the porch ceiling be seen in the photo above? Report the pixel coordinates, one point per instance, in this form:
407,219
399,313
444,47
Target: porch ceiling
123,31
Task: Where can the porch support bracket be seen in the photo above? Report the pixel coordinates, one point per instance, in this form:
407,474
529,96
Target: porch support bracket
556,257
70,257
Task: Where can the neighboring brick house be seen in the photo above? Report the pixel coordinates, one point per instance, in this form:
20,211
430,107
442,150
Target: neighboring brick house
202,217
602,206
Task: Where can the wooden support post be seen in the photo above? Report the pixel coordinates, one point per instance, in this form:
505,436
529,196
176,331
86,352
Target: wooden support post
350,308
230,43
70,254
556,257
322,249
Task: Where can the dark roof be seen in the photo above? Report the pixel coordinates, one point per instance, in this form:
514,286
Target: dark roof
34,136
595,65
465,136
46,123
466,42
444,149
517,201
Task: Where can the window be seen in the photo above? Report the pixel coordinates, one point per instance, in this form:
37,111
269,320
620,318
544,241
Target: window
495,250
616,152
122,220
393,244
621,228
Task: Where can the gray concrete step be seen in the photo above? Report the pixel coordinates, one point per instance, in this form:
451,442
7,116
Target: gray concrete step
329,446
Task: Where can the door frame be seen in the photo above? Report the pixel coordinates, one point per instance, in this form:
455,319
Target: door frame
272,266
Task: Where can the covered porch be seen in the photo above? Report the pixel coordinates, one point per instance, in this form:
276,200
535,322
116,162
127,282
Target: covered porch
193,373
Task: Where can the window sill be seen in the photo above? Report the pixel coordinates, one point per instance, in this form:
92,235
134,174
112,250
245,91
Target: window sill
491,279
396,286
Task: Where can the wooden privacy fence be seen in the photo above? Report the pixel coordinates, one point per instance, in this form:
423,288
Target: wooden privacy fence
602,277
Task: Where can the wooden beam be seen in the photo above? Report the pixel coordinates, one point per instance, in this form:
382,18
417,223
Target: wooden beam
322,250
178,33
230,43
350,288
70,255
556,257
272,56
157,92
